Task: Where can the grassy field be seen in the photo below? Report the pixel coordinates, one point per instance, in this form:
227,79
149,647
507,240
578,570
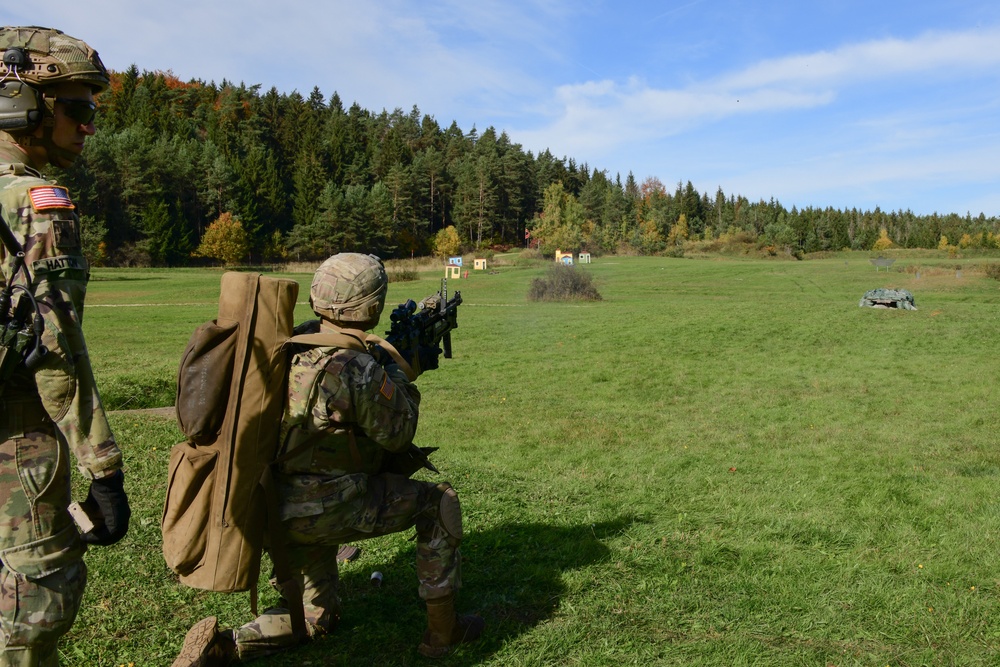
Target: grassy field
724,462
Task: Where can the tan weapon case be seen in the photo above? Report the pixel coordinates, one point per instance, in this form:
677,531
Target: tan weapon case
230,396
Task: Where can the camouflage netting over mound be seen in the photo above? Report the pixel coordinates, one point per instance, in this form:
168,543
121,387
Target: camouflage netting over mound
888,298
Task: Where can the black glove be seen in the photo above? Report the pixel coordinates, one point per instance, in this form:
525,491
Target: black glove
307,327
108,506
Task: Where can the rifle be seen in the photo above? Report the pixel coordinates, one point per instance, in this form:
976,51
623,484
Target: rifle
21,326
408,461
415,327
424,326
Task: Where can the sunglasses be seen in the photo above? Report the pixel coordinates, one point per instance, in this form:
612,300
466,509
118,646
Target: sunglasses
82,111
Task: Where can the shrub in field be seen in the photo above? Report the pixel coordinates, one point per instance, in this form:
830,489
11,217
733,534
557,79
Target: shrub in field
732,242
674,251
564,283
992,271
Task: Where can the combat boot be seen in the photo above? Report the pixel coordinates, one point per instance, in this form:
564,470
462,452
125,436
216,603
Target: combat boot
205,646
445,628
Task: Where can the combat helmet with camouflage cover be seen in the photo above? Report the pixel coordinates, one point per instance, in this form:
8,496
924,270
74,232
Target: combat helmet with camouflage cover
349,288
43,57
33,60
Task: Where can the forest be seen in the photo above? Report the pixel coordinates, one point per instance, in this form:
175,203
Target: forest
301,178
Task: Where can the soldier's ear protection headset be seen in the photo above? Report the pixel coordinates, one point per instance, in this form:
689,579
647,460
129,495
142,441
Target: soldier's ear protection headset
22,107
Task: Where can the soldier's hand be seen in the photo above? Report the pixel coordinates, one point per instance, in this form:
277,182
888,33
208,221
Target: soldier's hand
307,327
382,358
107,499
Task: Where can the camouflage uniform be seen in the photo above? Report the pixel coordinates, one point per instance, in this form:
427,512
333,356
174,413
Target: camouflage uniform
43,416
344,411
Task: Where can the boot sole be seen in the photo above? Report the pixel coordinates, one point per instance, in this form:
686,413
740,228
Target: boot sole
196,642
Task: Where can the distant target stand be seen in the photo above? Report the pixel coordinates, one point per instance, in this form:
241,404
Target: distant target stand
567,257
453,269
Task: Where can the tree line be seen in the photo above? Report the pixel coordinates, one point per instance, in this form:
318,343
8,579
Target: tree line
303,177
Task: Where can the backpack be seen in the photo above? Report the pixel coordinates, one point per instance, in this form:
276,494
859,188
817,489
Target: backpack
221,503
221,506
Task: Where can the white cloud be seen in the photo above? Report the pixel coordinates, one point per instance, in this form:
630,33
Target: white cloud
929,53
595,119
597,116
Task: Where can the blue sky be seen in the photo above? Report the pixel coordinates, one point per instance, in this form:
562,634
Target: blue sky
845,104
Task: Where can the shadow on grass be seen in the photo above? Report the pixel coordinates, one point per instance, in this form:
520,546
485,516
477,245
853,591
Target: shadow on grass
513,577
519,568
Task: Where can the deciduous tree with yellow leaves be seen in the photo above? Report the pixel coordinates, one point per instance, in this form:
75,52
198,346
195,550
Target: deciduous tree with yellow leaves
224,240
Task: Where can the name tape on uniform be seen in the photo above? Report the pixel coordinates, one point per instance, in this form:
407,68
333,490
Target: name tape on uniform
60,263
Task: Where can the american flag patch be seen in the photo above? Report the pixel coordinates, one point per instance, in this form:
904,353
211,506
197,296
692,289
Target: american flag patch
387,389
45,197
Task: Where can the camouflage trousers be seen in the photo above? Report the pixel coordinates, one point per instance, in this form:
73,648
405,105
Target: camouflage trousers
390,504
42,575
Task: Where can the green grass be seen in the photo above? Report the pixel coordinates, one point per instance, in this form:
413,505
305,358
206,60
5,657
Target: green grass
721,463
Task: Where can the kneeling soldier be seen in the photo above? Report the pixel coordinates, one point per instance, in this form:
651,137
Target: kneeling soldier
349,410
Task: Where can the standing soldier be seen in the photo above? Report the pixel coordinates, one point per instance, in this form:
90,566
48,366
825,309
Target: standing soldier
345,412
49,404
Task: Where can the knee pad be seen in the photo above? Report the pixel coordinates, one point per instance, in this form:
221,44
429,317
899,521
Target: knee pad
450,511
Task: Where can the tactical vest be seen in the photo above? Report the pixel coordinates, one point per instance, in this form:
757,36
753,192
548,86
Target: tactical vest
339,447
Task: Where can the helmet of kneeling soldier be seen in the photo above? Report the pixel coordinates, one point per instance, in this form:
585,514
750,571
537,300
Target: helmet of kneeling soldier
349,289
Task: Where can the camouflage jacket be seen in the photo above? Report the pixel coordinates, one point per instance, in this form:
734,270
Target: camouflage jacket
44,222
344,410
